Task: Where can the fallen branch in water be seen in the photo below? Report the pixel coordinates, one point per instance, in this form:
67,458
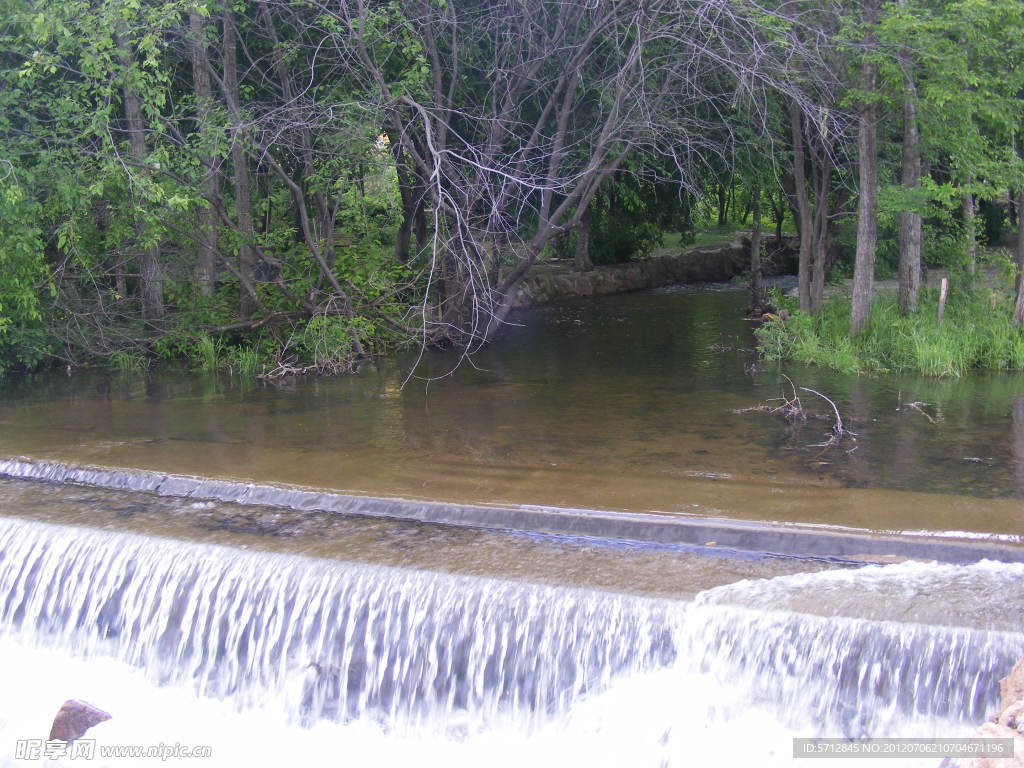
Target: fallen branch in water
792,409
284,370
839,432
918,406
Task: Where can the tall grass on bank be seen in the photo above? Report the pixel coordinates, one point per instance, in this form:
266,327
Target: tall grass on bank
976,333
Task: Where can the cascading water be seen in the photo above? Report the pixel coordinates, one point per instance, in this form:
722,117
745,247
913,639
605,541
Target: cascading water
272,657
320,639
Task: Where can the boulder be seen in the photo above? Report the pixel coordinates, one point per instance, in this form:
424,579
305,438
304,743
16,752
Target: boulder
1007,724
994,731
1011,687
1012,716
74,718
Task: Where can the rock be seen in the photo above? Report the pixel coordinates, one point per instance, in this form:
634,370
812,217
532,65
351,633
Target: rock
1011,687
1008,724
709,264
74,718
1012,716
994,731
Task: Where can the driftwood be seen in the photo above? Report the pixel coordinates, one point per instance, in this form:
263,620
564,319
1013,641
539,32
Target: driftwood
839,432
918,406
791,408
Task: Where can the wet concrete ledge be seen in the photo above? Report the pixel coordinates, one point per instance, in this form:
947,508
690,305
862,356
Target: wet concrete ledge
765,537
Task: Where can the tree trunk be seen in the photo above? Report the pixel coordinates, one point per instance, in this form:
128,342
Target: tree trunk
867,204
967,205
779,212
1018,310
240,171
910,221
756,283
207,224
323,226
821,163
404,234
414,218
151,281
803,206
723,201
581,260
419,227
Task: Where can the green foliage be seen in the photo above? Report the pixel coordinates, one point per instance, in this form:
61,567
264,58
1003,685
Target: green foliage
994,221
207,353
627,217
976,334
246,360
81,203
328,341
129,362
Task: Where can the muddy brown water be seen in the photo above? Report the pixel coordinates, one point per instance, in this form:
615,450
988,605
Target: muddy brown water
617,403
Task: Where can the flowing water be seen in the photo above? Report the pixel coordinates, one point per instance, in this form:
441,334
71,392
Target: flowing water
258,621
273,658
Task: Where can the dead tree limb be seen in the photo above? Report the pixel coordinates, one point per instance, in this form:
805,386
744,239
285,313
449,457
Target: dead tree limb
839,432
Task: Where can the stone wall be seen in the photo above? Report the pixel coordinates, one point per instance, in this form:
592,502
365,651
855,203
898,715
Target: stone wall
710,264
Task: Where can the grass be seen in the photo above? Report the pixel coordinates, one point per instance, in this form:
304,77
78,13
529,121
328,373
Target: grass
674,242
206,353
209,355
246,360
976,334
129,362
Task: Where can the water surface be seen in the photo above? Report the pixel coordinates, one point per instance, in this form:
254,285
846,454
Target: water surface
624,403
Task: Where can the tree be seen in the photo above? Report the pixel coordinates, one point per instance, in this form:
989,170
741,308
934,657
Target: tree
910,219
210,184
867,201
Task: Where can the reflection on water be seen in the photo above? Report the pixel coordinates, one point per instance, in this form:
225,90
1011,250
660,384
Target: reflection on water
622,402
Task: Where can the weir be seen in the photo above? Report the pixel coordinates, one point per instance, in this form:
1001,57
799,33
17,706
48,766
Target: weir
831,541
322,646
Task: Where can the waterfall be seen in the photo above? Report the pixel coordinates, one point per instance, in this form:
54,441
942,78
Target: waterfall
357,640
308,644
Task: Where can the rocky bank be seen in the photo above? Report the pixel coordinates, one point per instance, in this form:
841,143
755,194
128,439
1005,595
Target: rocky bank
554,281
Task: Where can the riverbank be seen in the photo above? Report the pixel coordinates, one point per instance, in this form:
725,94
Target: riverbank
972,330
556,280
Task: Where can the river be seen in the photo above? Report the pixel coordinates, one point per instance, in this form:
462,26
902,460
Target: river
204,592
